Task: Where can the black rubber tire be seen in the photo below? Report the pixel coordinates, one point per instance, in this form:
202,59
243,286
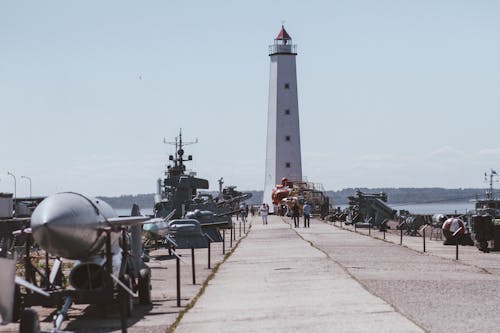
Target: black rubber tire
18,308
144,286
29,322
125,299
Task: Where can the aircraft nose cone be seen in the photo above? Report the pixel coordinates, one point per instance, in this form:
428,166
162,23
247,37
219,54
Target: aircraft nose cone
52,213
59,224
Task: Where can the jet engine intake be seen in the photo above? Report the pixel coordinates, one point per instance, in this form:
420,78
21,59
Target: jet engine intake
87,275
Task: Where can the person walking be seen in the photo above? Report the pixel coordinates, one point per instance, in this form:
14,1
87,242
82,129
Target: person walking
307,214
263,211
295,214
242,212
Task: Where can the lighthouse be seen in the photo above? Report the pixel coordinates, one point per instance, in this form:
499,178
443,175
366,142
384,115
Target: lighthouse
283,157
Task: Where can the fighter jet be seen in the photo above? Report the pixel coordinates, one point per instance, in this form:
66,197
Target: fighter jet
87,230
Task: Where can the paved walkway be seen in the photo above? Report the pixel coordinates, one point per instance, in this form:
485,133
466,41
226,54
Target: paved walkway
276,281
438,292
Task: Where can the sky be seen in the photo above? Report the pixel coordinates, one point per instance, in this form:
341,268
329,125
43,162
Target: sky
391,93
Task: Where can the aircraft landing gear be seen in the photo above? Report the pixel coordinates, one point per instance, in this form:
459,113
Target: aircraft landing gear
144,286
29,322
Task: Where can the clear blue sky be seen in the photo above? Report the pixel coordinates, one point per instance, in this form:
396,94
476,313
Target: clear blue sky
391,93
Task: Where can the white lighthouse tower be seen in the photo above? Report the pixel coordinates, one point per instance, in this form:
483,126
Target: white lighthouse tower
283,158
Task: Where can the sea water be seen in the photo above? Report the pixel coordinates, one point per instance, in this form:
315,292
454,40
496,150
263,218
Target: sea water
422,208
431,208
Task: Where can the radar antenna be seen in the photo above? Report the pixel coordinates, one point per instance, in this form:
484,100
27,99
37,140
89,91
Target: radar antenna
179,151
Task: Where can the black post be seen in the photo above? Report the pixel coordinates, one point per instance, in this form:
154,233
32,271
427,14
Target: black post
178,278
47,271
423,233
27,261
355,227
231,236
234,233
209,242
369,229
223,241
456,237
109,258
193,265
401,237
384,233
244,229
240,228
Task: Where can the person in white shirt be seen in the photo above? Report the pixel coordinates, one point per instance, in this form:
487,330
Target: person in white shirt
264,211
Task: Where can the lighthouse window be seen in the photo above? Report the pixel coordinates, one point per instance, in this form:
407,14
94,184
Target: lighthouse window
287,164
287,112
287,138
287,85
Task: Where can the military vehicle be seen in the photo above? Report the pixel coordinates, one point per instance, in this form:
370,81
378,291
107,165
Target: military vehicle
369,209
289,191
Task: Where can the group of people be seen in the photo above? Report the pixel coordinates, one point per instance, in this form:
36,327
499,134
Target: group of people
294,211
306,209
243,213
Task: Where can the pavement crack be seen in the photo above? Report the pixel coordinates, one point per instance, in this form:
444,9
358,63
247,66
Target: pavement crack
352,276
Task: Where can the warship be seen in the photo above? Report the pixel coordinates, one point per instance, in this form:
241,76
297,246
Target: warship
178,197
178,192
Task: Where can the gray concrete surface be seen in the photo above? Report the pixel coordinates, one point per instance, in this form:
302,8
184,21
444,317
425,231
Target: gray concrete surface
277,282
156,317
436,291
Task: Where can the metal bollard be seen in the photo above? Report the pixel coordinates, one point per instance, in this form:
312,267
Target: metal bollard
244,229
455,235
384,234
178,275
369,229
193,269
240,228
401,238
209,242
231,236
423,236
355,229
223,241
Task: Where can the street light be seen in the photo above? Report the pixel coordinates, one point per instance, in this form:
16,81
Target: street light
15,190
29,179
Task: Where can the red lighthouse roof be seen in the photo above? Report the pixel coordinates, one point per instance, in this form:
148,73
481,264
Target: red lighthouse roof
283,35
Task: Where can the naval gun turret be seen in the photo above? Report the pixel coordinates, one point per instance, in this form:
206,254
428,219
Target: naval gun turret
370,208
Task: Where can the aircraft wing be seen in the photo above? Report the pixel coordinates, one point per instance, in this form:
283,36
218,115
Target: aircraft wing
126,221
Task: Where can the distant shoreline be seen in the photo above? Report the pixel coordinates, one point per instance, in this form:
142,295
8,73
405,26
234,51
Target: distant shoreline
396,196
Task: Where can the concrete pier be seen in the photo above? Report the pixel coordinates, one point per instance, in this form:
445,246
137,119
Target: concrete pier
325,278
277,281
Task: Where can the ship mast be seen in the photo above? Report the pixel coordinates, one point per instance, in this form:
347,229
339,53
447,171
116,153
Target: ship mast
179,151
490,194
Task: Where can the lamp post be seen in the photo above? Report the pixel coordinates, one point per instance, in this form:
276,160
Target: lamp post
29,179
15,190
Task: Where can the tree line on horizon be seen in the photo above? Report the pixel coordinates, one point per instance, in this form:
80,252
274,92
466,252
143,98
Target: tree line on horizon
406,195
